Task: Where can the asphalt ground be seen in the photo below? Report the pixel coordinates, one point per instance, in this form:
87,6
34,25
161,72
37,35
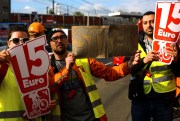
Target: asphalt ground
114,97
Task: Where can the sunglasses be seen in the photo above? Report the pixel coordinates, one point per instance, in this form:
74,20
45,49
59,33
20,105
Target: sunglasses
62,37
17,40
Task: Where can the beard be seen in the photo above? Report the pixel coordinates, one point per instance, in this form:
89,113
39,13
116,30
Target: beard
149,35
60,51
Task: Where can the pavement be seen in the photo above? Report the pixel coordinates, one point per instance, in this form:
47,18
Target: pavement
177,115
114,97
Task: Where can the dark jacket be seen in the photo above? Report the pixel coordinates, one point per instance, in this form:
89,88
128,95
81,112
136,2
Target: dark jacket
174,66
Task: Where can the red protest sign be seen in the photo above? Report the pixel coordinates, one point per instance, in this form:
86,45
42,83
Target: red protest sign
160,46
30,63
37,103
167,21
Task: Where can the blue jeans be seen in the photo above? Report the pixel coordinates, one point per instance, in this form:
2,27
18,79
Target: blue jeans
146,110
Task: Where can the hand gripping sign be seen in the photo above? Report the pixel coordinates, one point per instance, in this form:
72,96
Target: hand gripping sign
167,28
30,64
160,47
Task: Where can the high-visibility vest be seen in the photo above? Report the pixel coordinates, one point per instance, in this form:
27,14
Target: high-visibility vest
91,89
83,66
11,105
162,79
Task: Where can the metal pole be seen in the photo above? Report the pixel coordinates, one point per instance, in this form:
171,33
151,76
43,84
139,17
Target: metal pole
67,10
88,19
60,9
47,10
53,6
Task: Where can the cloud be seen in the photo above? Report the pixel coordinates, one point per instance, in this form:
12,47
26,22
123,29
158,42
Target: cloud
30,9
95,9
27,8
136,5
106,6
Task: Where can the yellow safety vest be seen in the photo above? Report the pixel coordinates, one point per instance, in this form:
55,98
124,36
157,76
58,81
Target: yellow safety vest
91,87
11,105
162,79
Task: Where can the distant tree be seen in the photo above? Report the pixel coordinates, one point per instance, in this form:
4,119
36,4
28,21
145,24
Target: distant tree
133,12
78,13
51,11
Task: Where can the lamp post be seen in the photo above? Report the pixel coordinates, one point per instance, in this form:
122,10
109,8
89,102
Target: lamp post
53,6
88,19
47,10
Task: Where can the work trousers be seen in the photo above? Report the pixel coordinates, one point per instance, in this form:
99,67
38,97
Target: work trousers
148,109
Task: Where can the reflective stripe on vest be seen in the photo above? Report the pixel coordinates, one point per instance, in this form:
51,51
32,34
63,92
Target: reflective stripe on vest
147,82
160,68
90,87
162,79
12,114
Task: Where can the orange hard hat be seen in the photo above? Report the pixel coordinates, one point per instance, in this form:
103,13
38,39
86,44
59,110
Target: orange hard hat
35,28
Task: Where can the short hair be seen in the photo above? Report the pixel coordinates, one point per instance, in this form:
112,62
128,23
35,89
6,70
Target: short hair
16,28
149,13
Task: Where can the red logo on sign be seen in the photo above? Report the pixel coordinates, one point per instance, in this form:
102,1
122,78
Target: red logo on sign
160,47
37,103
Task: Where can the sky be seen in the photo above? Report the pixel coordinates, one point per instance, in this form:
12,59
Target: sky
87,7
